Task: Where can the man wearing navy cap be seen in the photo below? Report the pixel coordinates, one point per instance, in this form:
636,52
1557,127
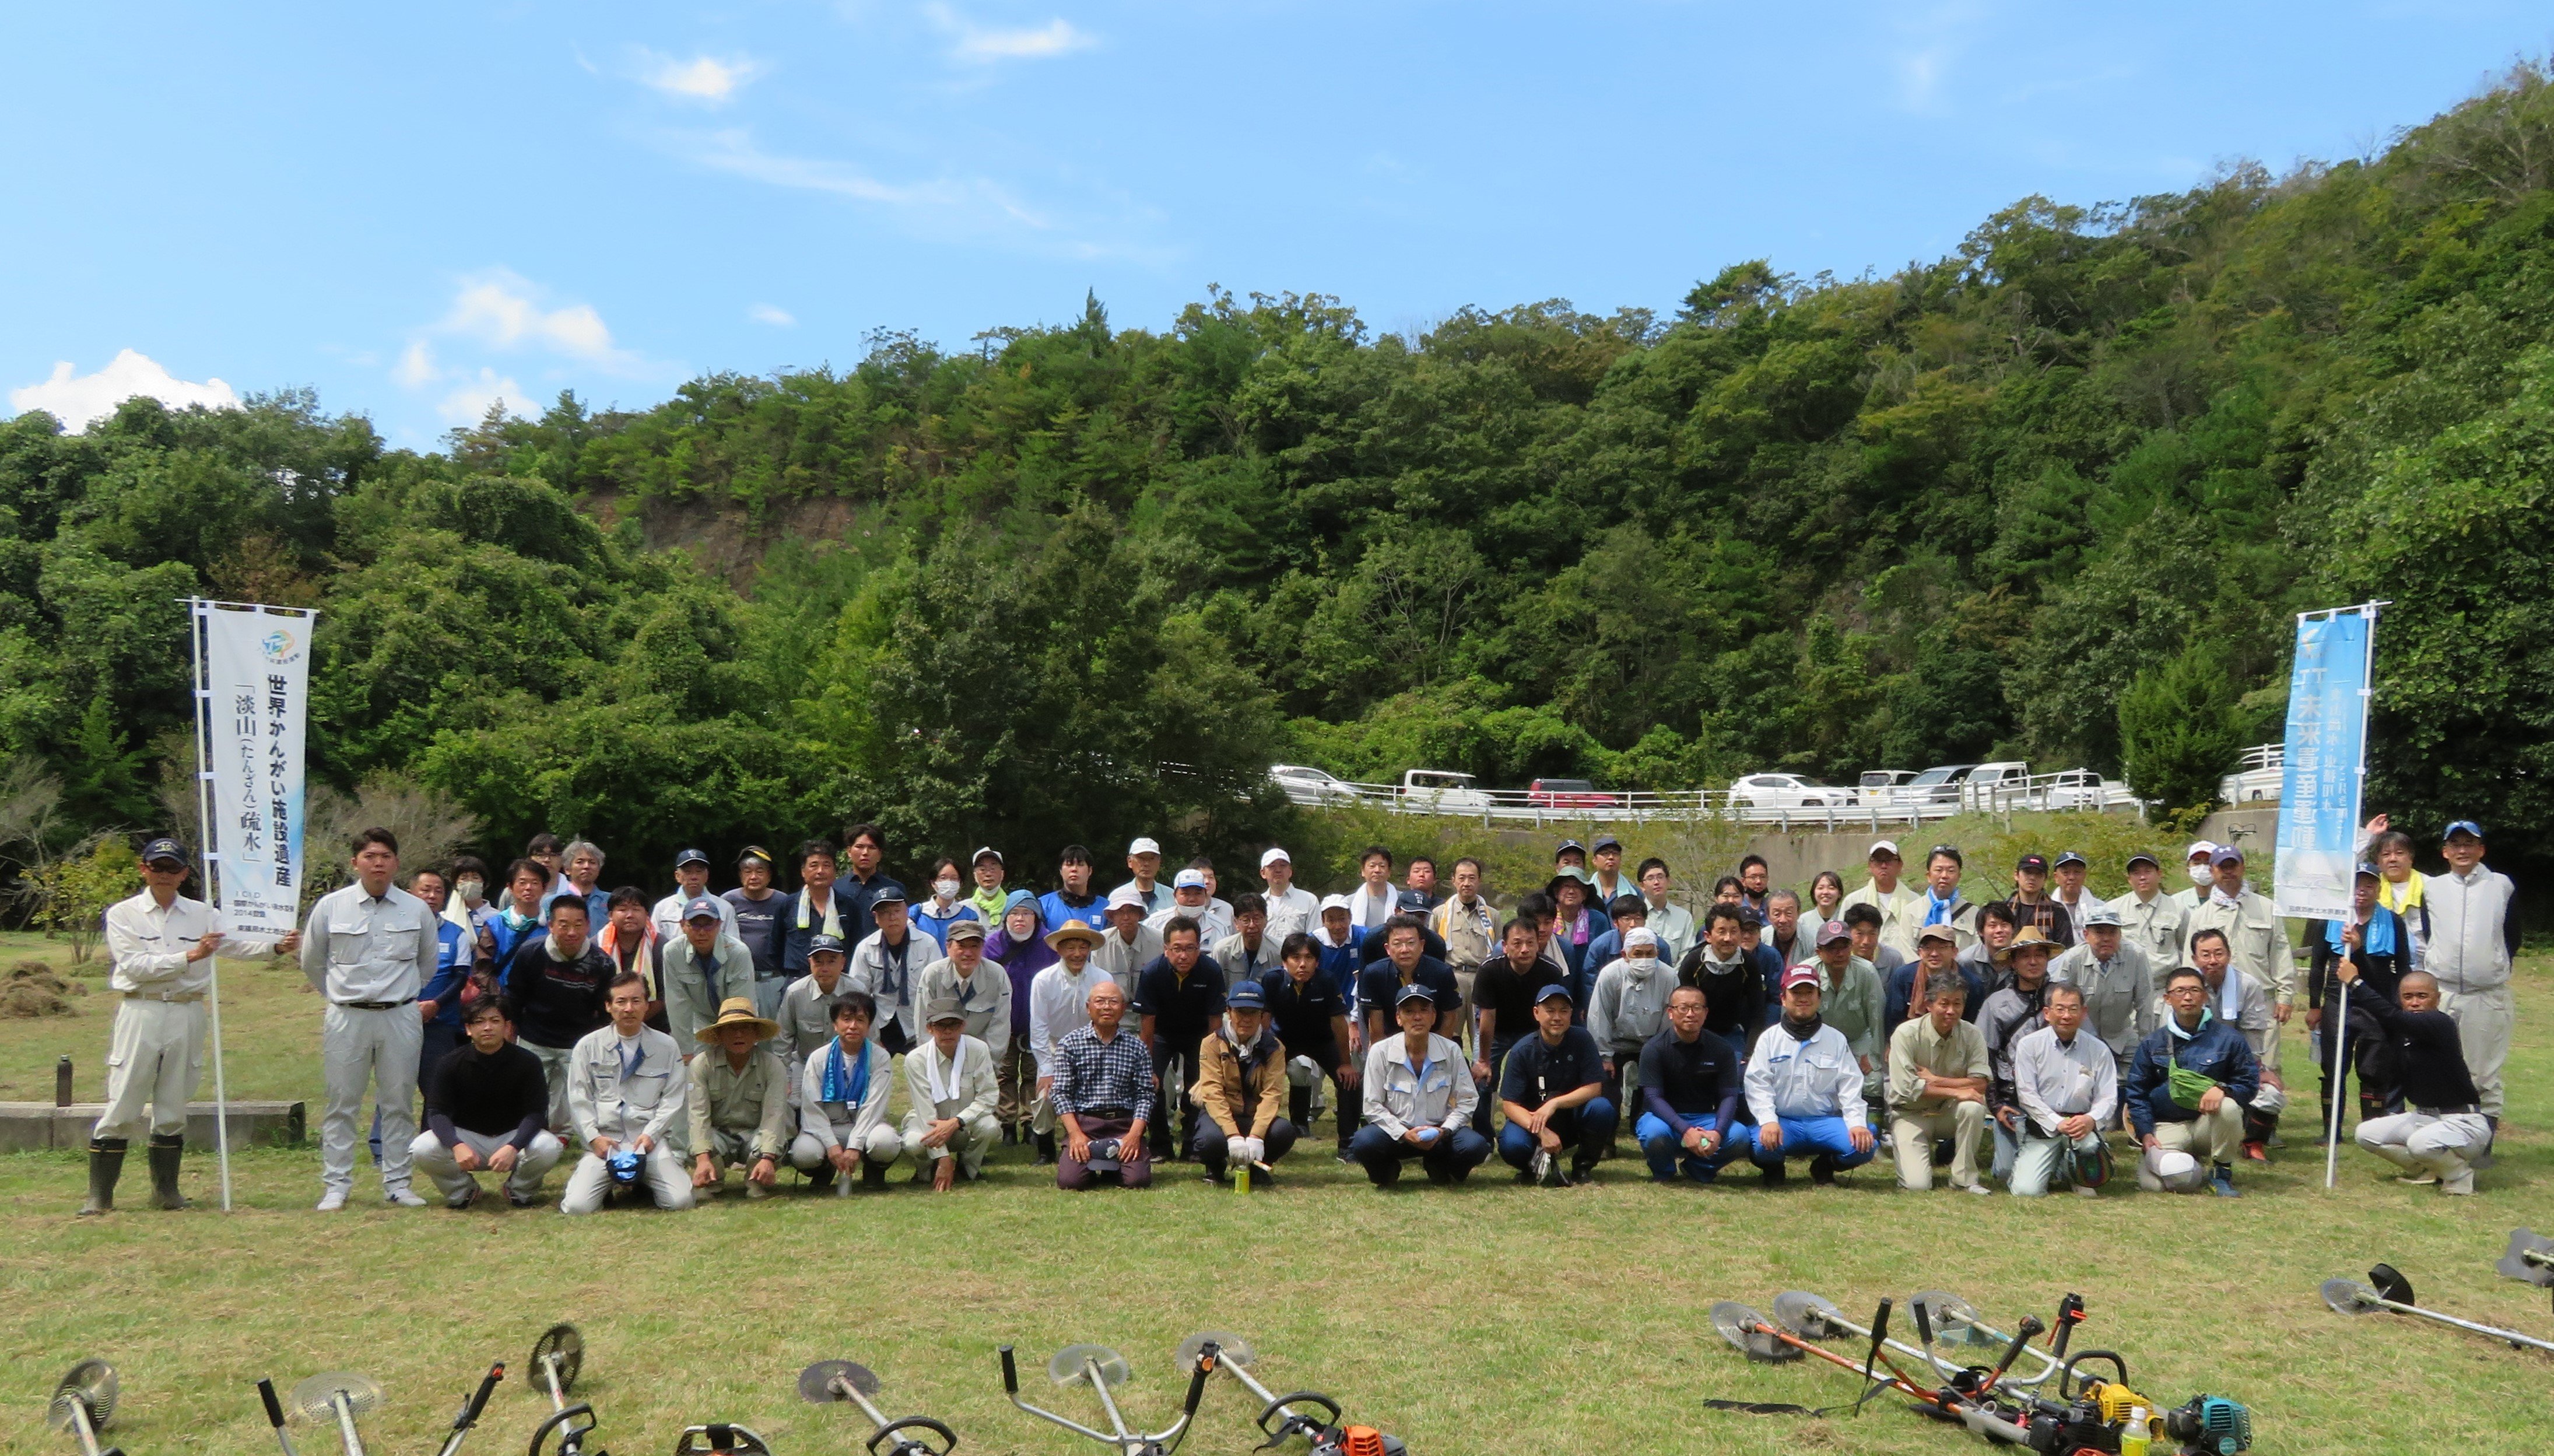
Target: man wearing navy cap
1241,1088
755,908
1805,1091
157,945
1418,1101
700,966
1551,1090
2474,935
1572,853
807,1008
888,964
1605,869
691,882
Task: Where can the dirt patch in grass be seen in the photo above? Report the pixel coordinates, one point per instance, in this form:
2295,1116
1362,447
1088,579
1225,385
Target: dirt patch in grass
33,989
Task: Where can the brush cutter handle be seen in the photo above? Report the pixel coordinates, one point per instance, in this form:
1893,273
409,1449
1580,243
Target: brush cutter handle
2071,1314
2029,1329
572,1436
1923,1324
1197,1378
479,1398
1010,1375
1878,1336
909,1445
273,1408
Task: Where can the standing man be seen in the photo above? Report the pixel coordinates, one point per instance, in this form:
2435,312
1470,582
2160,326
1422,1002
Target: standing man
2200,860
1503,1001
1074,898
949,1094
2401,890
980,988
1251,950
990,869
1127,944
2032,907
1806,1091
581,876
2070,894
2068,1087
158,943
1885,893
1941,903
1936,948
2114,982
1692,1090
1241,1088
756,908
2149,919
739,1100
1059,1005
1611,884
1418,1102
2187,1090
888,964
1851,1001
2257,937
367,949
1181,995
1552,1089
1783,934
1374,900
1289,909
1312,1025
815,910
1672,923
1193,900
1732,981
557,981
2474,935
487,1108
626,1091
1466,923
1630,1006
1939,1079
1104,1093
1144,861
691,882
1406,962
1420,879
864,846
698,967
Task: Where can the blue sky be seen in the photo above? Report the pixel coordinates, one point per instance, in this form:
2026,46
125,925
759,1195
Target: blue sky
415,209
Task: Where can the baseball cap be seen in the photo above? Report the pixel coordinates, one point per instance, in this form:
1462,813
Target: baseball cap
1413,901
2032,862
944,1008
1189,879
2370,871
1409,993
2072,857
2101,915
690,856
979,856
1336,902
2143,856
1125,895
1832,932
2199,849
1567,845
1939,933
163,849
819,944
2227,854
1553,991
1275,856
1603,844
965,930
1143,847
1799,975
1246,996
1883,846
752,852
1639,934
2462,827
700,907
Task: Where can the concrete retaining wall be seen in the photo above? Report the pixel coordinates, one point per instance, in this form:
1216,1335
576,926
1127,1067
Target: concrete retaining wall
37,1126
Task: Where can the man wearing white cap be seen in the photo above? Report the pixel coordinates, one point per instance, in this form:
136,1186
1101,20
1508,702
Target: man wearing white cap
1129,944
2257,938
1289,909
1193,897
1144,858
2201,859
1889,895
2151,920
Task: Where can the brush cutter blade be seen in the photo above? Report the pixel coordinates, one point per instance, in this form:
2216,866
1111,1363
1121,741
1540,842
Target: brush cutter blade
816,1382
313,1398
1072,1366
2392,1284
91,1384
1955,1320
2531,1258
2350,1296
1811,1316
1738,1324
1228,1345
562,1342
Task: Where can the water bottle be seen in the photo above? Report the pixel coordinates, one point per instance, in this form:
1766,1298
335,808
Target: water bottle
2134,1437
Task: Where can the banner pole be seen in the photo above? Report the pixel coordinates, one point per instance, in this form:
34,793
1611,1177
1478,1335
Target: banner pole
207,858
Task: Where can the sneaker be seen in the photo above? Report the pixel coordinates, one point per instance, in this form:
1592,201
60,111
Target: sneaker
2084,1191
2459,1183
331,1200
1344,1158
2220,1182
2417,1179
521,1200
1776,1175
1440,1177
466,1198
1524,1178
403,1196
1980,1189
2255,1153
1581,1176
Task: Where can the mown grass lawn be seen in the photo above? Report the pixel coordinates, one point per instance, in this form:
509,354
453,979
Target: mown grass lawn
1489,1320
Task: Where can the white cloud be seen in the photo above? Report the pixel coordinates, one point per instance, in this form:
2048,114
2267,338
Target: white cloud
503,310
704,79
733,151
81,400
468,401
1933,40
778,318
986,45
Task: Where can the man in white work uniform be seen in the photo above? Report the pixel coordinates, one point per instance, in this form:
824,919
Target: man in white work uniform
367,949
160,945
625,1091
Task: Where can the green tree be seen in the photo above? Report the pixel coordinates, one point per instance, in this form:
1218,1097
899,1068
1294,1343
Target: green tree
2181,728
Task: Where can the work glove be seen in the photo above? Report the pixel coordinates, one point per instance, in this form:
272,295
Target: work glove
1237,1149
1253,1149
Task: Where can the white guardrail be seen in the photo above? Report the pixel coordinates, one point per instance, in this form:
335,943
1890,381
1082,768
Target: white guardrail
2073,789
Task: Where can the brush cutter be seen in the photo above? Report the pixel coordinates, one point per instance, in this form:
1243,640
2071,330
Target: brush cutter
334,1397
83,1402
2392,1291
720,1438
559,1356
1951,1322
831,1381
1752,1332
1101,1368
1279,1420
470,1409
2531,1258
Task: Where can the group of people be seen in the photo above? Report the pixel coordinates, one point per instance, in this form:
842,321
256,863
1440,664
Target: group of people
672,1041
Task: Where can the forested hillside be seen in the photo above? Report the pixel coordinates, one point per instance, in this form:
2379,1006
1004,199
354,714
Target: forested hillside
1098,578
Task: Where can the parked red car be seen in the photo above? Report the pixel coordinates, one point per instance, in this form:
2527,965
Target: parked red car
1568,794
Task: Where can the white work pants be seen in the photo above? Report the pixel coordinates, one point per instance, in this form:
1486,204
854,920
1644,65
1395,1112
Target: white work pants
155,1055
532,1164
377,1048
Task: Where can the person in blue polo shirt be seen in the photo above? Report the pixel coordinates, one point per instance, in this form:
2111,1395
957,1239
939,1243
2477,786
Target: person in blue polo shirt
1691,1093
1551,1090
1805,1091
1418,1100
1074,898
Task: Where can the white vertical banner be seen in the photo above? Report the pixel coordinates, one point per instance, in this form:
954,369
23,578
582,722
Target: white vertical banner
254,700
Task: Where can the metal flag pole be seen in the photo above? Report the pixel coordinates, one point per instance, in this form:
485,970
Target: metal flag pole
2336,1024
208,857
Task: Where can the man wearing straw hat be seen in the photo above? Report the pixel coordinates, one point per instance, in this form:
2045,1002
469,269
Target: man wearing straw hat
1059,1005
2011,1009
950,1093
739,1098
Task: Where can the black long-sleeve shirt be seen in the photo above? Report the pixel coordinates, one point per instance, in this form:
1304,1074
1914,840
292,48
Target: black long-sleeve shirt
503,1094
2429,1057
557,1002
1683,1082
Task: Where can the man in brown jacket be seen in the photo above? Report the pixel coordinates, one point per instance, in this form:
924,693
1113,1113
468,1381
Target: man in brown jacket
1241,1088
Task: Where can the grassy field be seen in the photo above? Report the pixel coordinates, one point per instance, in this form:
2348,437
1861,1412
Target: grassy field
1489,1320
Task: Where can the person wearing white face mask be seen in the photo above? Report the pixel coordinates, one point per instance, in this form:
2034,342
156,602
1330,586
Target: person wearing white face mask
2256,939
944,907
1628,1007
2200,858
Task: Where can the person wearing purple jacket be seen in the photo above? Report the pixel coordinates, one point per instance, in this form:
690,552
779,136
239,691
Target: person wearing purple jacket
1019,944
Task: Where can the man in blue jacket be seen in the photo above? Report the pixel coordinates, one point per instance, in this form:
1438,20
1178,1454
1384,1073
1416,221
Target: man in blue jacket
2218,1076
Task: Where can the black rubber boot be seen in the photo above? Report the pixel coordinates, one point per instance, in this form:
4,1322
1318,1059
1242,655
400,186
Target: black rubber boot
164,1153
1046,1150
873,1174
105,1165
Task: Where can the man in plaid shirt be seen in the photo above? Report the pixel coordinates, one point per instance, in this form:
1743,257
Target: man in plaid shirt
1102,1097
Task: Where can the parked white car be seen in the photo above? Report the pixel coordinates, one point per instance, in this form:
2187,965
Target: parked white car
1440,791
2264,774
1306,785
1939,784
1994,786
1762,793
1880,786
2076,788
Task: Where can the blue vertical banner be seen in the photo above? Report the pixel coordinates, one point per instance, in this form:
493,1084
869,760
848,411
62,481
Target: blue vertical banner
2326,760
